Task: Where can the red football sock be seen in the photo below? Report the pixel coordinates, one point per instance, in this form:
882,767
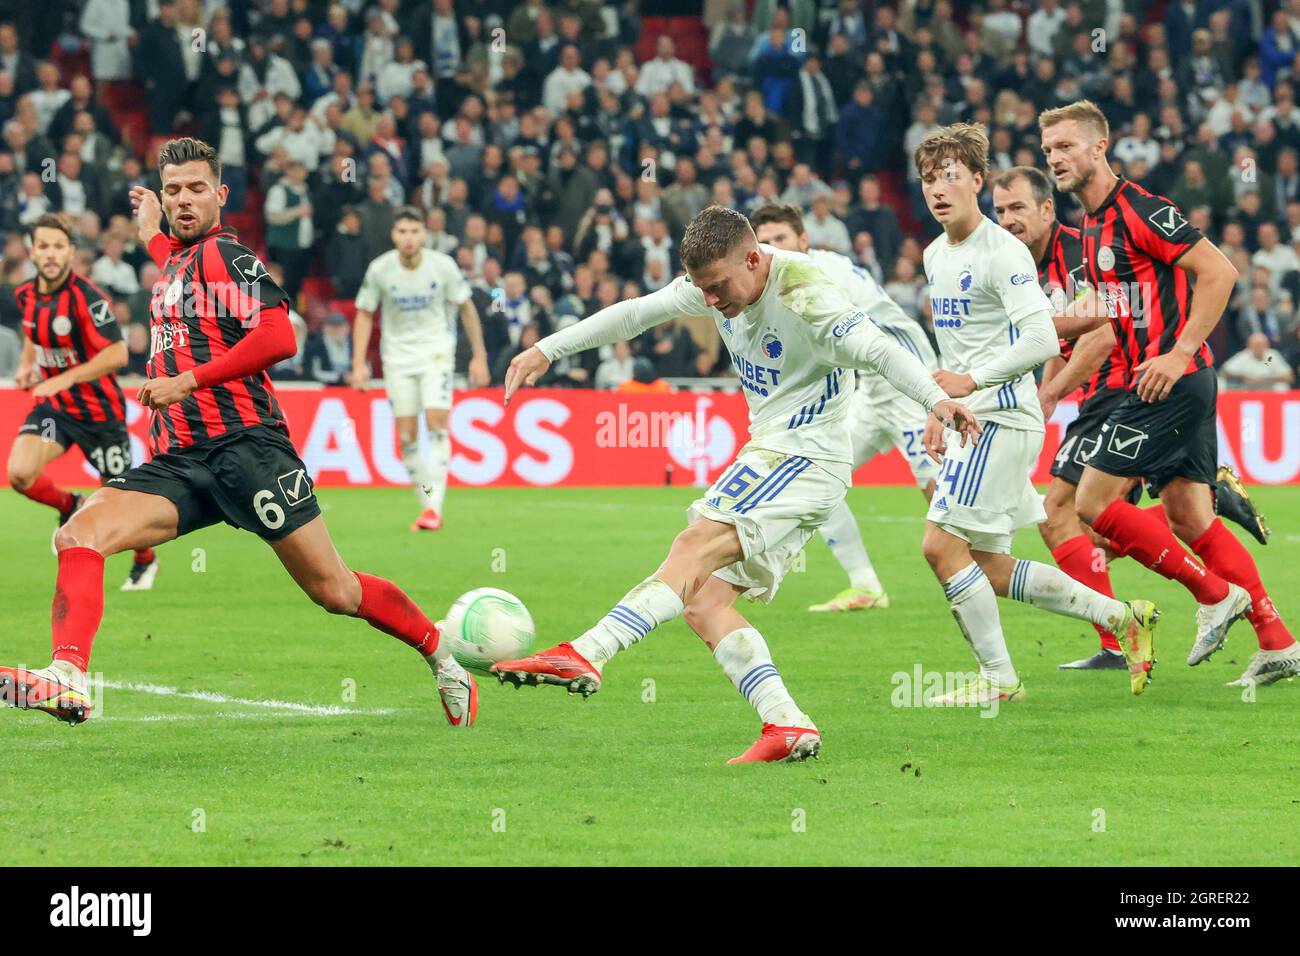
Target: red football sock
1147,539
78,605
385,606
144,555
48,493
1078,558
1157,510
1228,558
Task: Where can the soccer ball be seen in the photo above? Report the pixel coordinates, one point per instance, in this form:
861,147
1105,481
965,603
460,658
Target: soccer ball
487,625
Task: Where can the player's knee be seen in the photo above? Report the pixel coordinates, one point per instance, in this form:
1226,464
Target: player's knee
20,479
437,421
932,546
80,532
337,595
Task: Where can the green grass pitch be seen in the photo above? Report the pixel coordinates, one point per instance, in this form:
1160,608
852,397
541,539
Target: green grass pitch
1081,772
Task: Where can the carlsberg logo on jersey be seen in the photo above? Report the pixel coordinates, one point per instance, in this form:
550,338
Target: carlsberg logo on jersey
73,909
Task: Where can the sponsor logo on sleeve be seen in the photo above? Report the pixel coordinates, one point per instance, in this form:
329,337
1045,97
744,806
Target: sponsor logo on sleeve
1168,220
250,268
1022,278
101,313
844,326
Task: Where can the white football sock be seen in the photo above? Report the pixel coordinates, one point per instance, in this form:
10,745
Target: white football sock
844,539
744,658
975,606
440,455
642,609
421,473
1051,589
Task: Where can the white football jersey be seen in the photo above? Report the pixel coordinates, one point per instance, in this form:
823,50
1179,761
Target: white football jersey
419,307
981,291
790,350
864,292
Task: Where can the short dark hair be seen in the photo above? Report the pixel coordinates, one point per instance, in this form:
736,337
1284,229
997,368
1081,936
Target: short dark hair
713,234
408,212
187,149
1037,179
51,220
789,214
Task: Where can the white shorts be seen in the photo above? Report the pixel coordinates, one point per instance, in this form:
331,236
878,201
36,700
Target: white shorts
412,392
776,502
877,428
985,494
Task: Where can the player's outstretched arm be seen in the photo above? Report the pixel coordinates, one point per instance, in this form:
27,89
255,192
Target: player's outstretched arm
616,323
1089,352
1081,316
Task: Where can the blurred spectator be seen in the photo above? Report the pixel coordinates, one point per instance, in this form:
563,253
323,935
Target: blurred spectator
645,379
289,231
11,351
111,273
616,369
327,356
345,255
1259,367
137,349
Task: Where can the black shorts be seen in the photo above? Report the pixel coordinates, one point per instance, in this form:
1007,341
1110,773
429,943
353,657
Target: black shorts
106,445
1161,441
252,479
1083,436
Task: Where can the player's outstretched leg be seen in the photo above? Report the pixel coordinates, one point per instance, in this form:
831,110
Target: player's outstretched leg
845,541
1050,589
696,552
111,521
1077,555
1279,653
1148,540
310,558
975,608
788,734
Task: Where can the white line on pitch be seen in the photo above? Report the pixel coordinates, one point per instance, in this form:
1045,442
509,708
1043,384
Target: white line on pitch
213,697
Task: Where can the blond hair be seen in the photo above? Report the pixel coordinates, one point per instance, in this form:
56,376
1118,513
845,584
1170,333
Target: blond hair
965,143
1083,112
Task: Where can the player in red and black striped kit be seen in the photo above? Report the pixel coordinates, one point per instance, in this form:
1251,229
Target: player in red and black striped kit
221,448
71,349
1022,201
1093,369
1140,258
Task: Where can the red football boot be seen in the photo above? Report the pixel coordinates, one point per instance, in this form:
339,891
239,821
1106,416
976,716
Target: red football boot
430,520
560,665
47,689
782,745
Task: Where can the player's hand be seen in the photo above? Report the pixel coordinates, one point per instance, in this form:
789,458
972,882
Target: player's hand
1048,401
51,386
958,418
148,212
160,392
1159,375
956,384
360,378
935,446
525,369
27,376
479,376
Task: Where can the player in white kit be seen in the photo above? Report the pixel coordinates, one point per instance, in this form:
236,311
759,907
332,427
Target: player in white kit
994,325
417,290
791,333
880,416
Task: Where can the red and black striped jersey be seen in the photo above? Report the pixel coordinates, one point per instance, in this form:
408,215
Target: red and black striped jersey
1131,243
1060,272
206,300
67,327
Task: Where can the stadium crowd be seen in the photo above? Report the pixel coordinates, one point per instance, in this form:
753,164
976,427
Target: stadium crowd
557,151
